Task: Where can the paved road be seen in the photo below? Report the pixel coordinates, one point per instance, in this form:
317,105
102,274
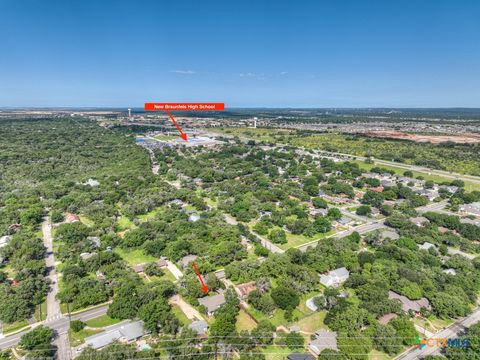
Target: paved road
361,229
432,207
452,331
269,245
190,312
174,270
60,325
53,305
354,216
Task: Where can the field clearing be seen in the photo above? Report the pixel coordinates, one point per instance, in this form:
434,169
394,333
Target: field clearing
295,240
102,321
378,355
180,315
245,322
124,223
274,352
78,338
134,257
313,322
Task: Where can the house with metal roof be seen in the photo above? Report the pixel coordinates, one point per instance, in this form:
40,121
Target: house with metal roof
200,327
324,339
126,331
407,304
212,303
300,356
335,277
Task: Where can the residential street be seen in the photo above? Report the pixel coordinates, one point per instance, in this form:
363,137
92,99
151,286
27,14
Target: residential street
452,331
59,325
53,305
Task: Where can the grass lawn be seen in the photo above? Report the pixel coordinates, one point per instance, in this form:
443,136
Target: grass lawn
378,355
297,240
180,315
78,338
86,221
102,321
167,276
133,257
8,328
149,215
125,223
165,137
432,324
312,322
277,318
210,202
245,322
303,307
275,352
41,312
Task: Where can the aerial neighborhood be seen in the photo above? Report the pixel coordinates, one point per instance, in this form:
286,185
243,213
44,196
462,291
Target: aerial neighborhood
300,253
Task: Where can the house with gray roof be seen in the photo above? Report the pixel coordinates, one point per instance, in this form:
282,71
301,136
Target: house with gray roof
449,271
300,356
212,303
419,221
324,339
186,260
4,240
389,234
335,277
126,331
470,209
407,304
200,327
426,245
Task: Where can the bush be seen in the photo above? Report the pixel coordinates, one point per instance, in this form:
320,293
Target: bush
77,325
285,298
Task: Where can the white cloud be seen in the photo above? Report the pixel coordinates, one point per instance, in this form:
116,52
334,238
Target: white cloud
184,72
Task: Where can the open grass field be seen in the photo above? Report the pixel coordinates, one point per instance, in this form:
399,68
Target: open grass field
41,311
276,352
180,315
165,137
134,257
78,338
245,322
297,240
124,223
102,321
12,327
313,322
378,355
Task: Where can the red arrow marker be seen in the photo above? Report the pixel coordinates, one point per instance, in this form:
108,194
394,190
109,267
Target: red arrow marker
204,286
182,134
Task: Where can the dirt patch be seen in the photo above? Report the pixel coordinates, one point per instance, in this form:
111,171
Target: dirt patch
435,139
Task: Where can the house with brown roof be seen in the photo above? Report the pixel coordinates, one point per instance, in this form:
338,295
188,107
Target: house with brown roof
243,290
419,221
71,218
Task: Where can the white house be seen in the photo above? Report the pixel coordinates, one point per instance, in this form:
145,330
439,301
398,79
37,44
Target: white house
335,277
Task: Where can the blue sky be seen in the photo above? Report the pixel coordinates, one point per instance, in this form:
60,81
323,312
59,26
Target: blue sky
337,53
